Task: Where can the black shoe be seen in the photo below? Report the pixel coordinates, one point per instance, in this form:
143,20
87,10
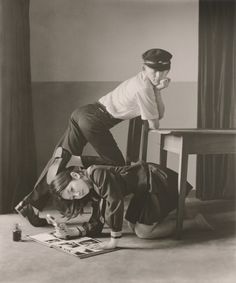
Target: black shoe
61,158
65,155
27,211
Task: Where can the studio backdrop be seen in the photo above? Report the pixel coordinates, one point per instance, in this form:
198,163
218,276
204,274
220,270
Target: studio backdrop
216,176
17,144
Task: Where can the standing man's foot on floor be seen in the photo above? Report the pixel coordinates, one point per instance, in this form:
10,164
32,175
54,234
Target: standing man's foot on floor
27,211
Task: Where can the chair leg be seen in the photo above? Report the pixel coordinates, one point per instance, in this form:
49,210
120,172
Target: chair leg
144,140
163,153
133,140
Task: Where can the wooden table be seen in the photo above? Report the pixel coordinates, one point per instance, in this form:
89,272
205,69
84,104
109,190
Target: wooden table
192,141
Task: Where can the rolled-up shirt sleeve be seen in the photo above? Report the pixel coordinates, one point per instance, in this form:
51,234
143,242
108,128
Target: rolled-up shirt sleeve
107,185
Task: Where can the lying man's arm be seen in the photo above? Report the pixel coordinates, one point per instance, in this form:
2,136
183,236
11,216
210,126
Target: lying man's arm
91,228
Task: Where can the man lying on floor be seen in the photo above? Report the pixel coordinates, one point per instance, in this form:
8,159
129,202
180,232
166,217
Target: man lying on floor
154,195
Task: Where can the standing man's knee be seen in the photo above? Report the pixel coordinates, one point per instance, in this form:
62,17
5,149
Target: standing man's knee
80,121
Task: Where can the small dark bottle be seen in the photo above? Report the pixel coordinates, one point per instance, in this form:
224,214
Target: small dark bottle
16,233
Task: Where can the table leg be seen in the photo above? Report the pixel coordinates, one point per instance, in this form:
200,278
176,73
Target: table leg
163,153
182,179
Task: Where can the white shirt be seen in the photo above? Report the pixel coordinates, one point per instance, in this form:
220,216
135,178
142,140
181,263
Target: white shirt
134,97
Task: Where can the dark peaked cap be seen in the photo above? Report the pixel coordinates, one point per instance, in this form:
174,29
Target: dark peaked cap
158,59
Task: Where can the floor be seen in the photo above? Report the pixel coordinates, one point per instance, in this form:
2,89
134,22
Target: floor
201,256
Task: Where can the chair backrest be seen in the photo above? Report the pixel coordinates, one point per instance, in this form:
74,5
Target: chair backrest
137,141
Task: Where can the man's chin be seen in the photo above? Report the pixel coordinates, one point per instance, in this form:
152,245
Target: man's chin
154,83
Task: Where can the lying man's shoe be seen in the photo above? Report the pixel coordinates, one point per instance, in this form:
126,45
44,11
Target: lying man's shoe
61,158
27,211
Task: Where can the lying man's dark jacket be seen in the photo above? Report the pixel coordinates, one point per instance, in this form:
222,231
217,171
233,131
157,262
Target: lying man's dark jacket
154,194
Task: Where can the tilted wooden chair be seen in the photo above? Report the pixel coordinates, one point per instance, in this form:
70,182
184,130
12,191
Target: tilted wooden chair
137,144
137,141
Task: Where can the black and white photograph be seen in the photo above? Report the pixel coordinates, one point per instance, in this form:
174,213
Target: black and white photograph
118,141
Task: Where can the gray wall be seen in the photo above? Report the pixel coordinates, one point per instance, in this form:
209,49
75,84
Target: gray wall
81,49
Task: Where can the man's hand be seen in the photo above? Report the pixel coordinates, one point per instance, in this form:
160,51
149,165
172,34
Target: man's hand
163,84
112,244
64,232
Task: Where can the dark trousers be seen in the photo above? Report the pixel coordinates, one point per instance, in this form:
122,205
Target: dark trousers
88,124
91,124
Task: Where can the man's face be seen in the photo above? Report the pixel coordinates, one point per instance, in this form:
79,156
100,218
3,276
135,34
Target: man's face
155,76
77,188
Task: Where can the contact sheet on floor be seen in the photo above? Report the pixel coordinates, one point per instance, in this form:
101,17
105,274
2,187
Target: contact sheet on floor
81,247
